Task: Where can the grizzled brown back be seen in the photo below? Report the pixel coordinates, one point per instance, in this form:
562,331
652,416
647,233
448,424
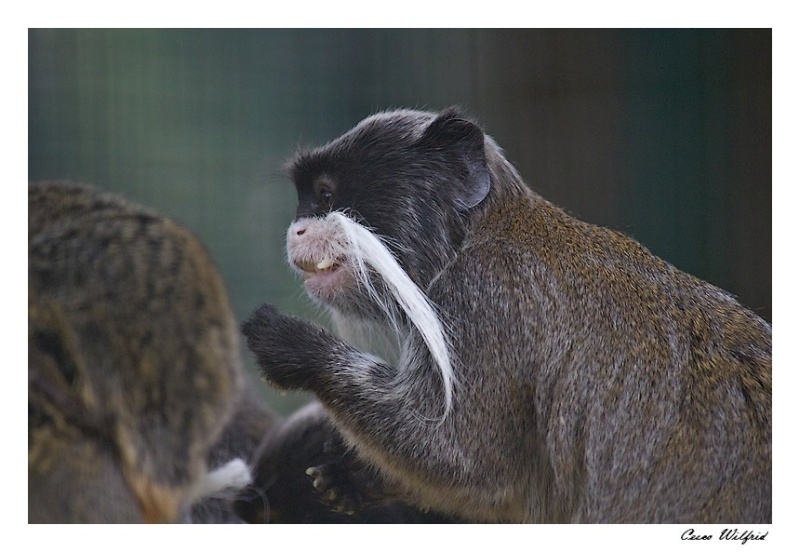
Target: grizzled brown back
133,359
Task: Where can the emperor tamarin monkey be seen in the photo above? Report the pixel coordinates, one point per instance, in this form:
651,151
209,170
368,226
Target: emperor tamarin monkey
535,368
134,364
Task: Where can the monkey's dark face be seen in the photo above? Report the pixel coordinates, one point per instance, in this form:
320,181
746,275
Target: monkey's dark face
408,177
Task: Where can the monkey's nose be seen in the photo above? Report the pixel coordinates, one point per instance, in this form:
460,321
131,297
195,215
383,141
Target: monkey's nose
298,227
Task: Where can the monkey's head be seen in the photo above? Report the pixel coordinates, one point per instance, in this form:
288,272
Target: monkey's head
409,178
381,211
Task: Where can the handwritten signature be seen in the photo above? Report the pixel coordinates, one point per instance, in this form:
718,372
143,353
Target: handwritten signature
726,534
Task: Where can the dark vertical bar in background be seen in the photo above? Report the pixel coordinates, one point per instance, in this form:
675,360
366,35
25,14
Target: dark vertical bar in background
668,197
699,140
751,167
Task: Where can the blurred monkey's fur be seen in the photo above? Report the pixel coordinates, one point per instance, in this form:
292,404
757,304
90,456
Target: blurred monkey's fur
134,364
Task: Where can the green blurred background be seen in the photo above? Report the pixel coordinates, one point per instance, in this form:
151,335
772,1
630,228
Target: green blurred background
663,134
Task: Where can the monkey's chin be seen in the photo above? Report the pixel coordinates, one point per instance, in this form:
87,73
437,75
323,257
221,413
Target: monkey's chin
326,285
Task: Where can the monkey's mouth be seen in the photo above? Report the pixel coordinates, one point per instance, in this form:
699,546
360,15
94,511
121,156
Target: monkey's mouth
325,279
309,268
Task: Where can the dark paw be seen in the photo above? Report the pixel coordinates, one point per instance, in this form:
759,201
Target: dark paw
290,352
345,483
335,489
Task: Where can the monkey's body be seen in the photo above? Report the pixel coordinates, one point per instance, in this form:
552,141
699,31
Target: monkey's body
594,382
134,363
649,390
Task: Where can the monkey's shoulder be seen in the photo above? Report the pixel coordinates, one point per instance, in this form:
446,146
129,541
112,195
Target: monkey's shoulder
534,260
538,238
59,205
94,246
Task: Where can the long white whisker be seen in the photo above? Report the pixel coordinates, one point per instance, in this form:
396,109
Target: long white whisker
365,248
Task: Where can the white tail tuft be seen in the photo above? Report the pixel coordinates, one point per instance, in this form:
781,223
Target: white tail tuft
231,476
365,248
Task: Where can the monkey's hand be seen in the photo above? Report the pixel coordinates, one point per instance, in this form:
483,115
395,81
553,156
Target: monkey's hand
346,484
334,490
290,352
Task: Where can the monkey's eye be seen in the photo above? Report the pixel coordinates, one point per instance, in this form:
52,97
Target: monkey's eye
325,197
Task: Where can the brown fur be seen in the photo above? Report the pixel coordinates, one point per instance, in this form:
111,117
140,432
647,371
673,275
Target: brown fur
134,364
596,382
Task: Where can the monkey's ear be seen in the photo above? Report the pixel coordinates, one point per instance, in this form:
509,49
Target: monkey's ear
451,132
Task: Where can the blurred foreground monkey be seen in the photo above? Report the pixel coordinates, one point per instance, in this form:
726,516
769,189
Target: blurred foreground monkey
134,364
501,360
